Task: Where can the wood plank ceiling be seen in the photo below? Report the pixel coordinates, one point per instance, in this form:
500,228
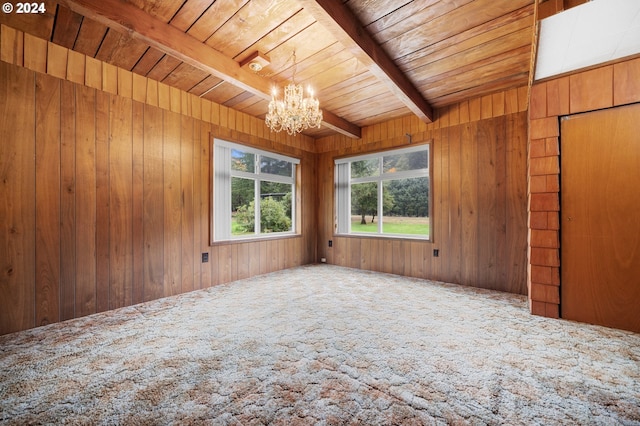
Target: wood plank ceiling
367,60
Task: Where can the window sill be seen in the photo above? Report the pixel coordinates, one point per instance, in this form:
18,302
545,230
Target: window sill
242,240
385,237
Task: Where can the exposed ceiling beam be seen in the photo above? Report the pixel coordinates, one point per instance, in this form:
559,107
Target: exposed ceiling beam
342,22
340,125
125,17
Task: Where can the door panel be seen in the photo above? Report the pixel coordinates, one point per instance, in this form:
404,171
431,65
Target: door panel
600,210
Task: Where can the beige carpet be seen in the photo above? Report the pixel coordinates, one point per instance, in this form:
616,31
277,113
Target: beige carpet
322,345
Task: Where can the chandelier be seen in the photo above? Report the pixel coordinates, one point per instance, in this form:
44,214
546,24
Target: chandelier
295,112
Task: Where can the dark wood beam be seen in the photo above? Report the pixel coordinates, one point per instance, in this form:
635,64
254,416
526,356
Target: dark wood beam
127,18
341,21
340,125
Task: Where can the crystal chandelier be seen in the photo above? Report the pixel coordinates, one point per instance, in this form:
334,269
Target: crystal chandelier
294,113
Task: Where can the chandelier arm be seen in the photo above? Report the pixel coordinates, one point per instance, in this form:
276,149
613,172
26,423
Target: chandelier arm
294,113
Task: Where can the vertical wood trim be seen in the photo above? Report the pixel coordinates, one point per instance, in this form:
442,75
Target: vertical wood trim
209,270
264,250
198,218
47,190
17,182
243,260
454,241
469,201
187,202
153,204
172,205
120,203
436,218
254,259
233,262
224,262
111,152
138,201
86,201
68,202
516,216
102,201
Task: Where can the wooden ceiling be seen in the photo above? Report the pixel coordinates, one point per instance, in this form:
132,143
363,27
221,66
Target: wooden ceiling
367,60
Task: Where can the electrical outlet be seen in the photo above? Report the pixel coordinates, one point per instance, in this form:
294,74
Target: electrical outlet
205,257
330,243
436,252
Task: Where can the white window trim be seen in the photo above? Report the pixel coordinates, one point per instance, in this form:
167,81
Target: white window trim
222,174
343,182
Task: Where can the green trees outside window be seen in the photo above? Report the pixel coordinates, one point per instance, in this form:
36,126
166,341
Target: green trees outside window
387,193
253,192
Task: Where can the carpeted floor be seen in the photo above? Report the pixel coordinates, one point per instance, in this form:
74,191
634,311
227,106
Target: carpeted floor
321,344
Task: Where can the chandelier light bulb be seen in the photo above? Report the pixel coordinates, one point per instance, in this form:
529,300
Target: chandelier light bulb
294,112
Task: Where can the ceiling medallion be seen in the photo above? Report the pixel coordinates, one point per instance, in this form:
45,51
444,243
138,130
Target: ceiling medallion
295,112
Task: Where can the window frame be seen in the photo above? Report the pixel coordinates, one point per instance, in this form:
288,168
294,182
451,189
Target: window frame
343,182
222,176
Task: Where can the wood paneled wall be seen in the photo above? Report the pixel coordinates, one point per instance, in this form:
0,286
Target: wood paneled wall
104,177
548,8
105,202
479,196
45,57
599,88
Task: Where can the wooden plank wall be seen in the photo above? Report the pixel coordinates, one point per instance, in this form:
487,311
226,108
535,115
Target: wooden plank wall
479,198
36,54
106,191
594,89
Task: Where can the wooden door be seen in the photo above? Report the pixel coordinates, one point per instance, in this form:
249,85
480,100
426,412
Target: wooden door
600,211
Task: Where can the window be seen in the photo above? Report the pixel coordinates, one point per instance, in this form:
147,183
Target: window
253,192
384,194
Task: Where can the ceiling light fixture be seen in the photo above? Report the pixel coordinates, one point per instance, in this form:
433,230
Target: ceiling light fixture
256,62
295,112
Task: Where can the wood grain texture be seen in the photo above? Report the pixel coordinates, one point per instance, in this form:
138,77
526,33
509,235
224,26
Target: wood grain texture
516,197
478,203
469,203
345,26
445,52
11,45
454,234
102,201
67,27
205,204
153,204
187,202
18,204
86,201
172,204
35,53
67,201
47,191
57,60
122,206
600,243
137,153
